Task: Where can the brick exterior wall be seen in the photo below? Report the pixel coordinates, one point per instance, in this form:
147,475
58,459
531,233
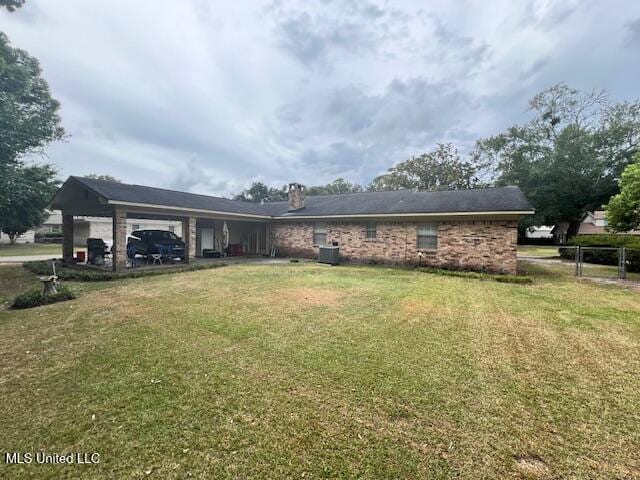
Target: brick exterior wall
189,237
119,240
487,245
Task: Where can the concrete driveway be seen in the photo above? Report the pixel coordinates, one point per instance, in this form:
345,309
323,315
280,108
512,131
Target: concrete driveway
27,258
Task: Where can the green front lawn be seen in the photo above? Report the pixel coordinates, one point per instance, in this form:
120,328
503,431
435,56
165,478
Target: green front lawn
21,249
308,371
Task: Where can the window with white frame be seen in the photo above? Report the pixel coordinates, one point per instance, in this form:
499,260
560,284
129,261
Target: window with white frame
371,230
427,236
319,233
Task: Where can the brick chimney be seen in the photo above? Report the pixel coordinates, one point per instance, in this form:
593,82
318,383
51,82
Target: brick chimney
296,196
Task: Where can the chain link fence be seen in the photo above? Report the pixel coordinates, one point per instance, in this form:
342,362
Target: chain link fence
604,262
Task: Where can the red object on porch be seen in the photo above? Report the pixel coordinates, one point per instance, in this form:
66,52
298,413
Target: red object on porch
80,257
235,250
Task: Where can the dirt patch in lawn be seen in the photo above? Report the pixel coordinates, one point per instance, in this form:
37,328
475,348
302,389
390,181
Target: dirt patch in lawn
310,297
414,307
533,465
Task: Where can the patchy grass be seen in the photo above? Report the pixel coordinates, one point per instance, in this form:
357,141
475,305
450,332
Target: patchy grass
538,251
272,371
15,280
504,278
25,249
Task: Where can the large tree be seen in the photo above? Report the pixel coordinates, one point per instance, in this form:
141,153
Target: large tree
338,186
34,186
29,121
103,176
258,192
623,210
569,157
11,5
29,118
441,169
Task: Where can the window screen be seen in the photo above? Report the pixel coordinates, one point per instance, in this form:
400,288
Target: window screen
319,233
427,236
371,230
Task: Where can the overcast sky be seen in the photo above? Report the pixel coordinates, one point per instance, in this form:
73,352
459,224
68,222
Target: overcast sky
208,96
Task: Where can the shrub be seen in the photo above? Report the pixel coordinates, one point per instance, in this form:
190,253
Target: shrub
87,274
35,298
605,257
606,240
49,235
503,278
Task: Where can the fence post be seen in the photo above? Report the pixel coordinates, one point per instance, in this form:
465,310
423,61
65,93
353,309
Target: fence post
623,262
578,254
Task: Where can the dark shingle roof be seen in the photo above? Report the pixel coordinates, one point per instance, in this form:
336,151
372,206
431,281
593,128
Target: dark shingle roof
498,199
124,192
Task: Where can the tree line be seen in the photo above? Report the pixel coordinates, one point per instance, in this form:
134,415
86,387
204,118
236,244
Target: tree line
577,152
568,159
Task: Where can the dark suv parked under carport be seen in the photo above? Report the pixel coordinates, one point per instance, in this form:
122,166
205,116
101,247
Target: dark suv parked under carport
148,242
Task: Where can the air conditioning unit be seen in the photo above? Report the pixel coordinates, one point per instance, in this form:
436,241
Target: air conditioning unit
329,254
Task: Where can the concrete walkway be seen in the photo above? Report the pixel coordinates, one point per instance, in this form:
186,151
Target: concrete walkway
27,258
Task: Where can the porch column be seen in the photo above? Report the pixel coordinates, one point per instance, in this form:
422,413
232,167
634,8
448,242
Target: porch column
119,240
67,238
267,232
189,238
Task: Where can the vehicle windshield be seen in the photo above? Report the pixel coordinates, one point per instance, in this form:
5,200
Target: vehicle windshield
155,235
167,235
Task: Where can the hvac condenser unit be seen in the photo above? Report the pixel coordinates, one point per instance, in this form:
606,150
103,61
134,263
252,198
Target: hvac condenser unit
329,254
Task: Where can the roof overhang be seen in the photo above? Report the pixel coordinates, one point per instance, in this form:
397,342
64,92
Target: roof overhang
76,198
146,206
513,214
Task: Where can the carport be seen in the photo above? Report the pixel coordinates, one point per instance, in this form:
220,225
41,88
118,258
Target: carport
202,217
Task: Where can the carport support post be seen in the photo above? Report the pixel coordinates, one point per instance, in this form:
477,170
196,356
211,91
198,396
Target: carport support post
189,238
119,240
67,237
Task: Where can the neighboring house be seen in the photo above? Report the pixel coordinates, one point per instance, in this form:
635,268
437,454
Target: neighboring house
471,229
593,223
102,227
53,224
50,225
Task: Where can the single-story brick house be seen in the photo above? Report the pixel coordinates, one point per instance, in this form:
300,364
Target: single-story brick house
474,229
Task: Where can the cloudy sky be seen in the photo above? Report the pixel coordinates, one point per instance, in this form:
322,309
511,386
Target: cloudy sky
208,96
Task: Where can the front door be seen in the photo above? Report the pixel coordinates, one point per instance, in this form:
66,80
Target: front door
207,237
